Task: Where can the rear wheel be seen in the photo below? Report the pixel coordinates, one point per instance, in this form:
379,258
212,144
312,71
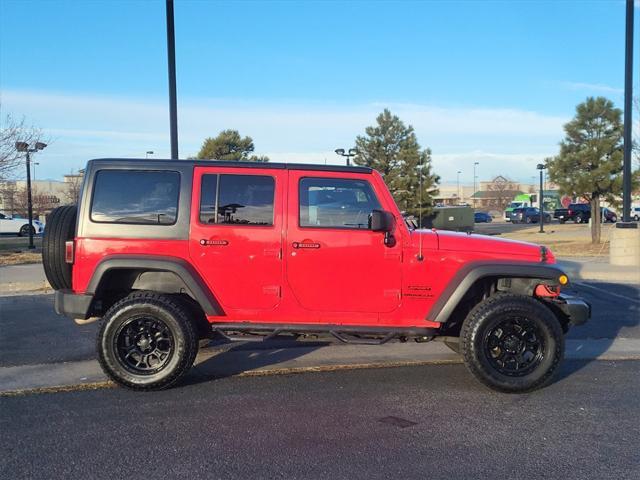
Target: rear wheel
512,343
147,341
579,219
24,230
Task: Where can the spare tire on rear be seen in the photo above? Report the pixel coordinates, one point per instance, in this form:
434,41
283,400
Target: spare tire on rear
61,226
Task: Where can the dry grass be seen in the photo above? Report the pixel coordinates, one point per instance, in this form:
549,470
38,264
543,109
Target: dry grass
18,258
567,240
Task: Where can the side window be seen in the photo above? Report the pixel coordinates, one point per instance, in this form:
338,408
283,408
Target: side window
336,203
237,199
143,197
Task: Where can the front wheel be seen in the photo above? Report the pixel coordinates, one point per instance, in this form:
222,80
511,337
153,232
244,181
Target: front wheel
147,341
512,343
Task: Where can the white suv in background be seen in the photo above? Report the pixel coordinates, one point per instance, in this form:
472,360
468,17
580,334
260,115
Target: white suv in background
19,226
635,213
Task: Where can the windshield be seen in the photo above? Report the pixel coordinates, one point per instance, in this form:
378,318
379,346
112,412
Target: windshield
515,204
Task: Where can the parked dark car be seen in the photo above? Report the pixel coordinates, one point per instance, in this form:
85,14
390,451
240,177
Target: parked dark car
482,217
581,212
528,215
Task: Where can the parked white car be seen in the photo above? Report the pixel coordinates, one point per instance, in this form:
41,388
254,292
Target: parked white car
19,226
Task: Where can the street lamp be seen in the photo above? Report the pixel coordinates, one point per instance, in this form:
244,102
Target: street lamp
541,167
458,187
149,152
475,177
351,153
24,147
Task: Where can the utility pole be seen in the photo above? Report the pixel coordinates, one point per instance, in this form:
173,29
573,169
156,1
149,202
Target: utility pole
458,187
173,103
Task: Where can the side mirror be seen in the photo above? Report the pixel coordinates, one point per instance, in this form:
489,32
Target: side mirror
382,221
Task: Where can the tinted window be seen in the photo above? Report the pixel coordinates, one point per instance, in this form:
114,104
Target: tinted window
237,199
138,197
329,202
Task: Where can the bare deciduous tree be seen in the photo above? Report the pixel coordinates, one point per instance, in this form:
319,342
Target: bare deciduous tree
74,185
502,192
12,131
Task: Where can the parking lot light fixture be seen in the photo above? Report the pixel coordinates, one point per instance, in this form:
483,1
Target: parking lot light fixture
351,153
541,167
24,147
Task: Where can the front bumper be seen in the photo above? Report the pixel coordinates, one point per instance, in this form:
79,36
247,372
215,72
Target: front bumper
72,305
575,309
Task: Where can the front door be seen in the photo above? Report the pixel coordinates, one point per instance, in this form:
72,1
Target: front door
335,263
236,234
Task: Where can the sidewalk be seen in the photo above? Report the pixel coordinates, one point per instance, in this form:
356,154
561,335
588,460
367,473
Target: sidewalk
18,279
240,360
598,269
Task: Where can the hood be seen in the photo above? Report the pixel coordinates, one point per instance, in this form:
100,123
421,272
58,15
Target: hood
462,242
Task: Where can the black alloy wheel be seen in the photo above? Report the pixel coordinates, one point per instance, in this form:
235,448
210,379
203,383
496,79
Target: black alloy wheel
144,345
515,346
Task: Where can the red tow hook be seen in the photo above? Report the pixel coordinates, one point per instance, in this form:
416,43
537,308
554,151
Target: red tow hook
551,291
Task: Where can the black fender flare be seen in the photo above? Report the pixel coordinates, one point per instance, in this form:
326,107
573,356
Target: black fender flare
180,267
472,272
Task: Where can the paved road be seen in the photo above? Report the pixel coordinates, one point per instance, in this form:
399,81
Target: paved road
31,332
419,422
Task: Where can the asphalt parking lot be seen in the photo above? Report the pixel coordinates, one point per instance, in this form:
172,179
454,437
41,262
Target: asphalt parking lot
418,422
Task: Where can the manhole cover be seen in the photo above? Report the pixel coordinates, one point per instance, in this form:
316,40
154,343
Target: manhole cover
397,422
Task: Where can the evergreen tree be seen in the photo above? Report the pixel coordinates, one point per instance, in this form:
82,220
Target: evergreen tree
392,148
590,161
230,146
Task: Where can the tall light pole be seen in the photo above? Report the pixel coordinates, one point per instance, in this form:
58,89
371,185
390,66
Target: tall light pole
24,147
541,167
628,91
351,153
458,187
475,177
171,61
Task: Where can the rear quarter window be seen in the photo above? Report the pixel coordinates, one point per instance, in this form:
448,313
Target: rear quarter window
140,197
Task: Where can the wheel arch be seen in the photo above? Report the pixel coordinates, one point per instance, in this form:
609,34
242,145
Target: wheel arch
169,275
478,280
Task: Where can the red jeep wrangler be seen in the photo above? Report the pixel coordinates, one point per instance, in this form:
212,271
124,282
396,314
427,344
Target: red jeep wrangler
170,252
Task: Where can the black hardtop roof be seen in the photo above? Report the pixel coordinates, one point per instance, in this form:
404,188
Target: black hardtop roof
161,163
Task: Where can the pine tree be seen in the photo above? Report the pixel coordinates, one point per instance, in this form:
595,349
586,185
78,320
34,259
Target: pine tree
229,146
392,148
590,161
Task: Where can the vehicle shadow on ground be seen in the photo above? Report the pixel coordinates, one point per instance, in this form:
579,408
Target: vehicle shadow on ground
236,358
612,317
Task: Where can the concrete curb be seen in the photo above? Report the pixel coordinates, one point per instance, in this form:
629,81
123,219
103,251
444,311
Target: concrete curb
225,362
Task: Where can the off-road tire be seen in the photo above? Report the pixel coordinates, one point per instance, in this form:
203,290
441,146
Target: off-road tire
159,308
562,222
61,226
486,316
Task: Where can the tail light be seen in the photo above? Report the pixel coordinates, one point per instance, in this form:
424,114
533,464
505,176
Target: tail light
569,212
68,251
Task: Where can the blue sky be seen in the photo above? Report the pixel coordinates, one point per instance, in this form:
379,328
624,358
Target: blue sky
481,81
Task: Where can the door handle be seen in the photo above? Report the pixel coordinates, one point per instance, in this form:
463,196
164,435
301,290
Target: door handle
210,243
305,245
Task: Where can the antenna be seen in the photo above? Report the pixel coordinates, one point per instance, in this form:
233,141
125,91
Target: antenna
420,257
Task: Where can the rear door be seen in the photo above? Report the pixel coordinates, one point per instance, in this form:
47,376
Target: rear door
335,263
236,234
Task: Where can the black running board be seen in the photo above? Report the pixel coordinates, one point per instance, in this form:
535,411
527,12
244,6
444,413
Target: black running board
344,333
